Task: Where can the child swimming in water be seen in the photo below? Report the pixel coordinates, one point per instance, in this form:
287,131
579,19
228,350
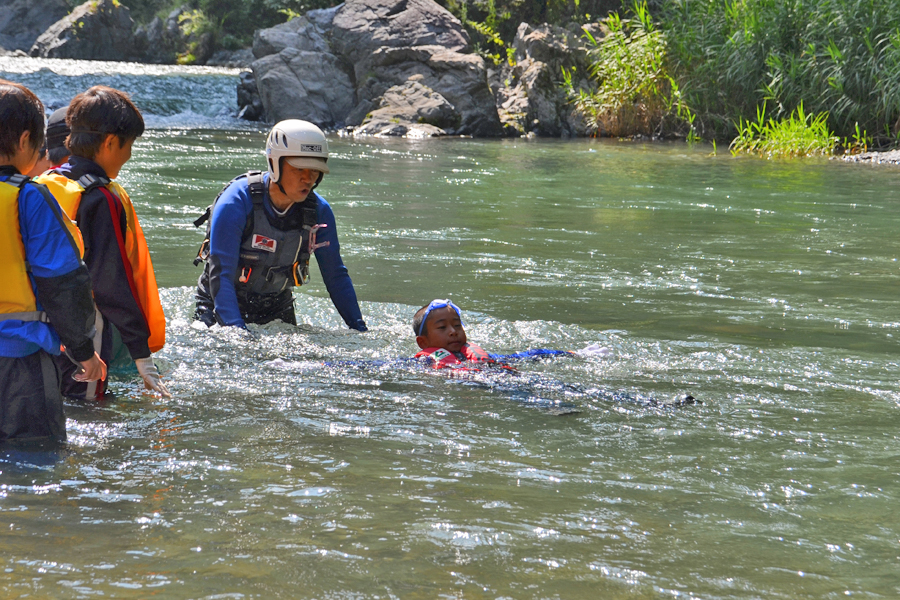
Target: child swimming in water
441,336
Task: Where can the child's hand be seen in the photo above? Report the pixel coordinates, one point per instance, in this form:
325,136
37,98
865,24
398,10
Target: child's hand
92,369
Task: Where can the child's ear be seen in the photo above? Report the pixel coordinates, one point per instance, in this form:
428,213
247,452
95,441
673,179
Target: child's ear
25,142
422,341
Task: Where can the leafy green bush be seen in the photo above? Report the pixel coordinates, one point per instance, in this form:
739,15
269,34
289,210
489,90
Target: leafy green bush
231,21
840,57
633,93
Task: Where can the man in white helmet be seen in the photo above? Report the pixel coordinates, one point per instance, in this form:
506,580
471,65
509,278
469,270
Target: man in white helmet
263,229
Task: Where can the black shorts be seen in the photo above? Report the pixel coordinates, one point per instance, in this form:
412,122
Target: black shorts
31,404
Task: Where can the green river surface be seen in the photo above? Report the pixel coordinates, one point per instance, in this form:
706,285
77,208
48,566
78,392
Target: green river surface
766,289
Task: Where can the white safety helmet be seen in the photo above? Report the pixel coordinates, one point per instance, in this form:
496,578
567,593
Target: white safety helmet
300,143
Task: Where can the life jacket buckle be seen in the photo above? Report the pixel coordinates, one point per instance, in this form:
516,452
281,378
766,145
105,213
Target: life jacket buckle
245,274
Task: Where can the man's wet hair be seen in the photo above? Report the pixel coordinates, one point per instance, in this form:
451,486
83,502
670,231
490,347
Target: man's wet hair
98,112
417,321
20,111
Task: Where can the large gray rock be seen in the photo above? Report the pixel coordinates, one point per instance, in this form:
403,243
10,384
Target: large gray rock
299,84
410,110
297,33
96,30
335,66
532,99
460,78
361,27
23,21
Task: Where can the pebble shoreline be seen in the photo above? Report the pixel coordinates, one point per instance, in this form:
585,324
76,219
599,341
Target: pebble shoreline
891,157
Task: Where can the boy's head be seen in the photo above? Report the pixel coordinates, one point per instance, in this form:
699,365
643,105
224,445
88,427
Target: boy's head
57,132
439,325
21,125
98,113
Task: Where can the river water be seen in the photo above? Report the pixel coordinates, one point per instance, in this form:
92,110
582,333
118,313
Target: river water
768,290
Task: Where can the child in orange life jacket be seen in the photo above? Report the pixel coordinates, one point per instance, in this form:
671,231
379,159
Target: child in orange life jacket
104,124
442,338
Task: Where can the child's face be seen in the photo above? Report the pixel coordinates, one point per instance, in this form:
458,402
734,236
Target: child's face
112,155
443,329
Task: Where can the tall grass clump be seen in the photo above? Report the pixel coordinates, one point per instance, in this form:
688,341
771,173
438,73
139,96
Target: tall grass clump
632,92
840,57
800,134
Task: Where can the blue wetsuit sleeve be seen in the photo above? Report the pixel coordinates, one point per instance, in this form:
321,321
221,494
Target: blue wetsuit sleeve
47,245
227,223
61,281
334,273
535,353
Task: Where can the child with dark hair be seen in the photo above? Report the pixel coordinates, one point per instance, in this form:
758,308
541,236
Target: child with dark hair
440,335
104,123
444,345
46,295
54,152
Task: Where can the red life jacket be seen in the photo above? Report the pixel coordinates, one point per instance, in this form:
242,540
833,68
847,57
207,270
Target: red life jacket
442,359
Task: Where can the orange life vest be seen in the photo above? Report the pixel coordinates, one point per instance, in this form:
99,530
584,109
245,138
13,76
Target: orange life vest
68,193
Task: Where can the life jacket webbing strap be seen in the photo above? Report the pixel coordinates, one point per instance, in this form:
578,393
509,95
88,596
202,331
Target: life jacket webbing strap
89,182
32,315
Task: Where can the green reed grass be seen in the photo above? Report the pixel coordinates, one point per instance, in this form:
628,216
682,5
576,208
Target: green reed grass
838,57
800,134
632,92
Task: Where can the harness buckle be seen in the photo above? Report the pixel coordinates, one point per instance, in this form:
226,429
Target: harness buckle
313,246
202,253
301,273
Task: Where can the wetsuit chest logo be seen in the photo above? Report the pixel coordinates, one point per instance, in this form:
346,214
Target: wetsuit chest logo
261,242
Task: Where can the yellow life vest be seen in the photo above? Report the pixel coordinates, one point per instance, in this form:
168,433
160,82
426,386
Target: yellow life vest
17,300
69,193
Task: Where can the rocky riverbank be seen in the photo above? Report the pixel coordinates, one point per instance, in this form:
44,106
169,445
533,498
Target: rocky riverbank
365,67
891,157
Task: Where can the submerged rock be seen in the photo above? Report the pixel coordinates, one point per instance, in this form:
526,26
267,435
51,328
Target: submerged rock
96,30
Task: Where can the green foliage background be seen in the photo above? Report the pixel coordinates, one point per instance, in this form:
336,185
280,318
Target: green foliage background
839,57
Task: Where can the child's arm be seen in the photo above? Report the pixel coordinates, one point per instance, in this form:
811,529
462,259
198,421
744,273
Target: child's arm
536,353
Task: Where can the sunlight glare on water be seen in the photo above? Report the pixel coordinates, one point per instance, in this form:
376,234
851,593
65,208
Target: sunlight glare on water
315,461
